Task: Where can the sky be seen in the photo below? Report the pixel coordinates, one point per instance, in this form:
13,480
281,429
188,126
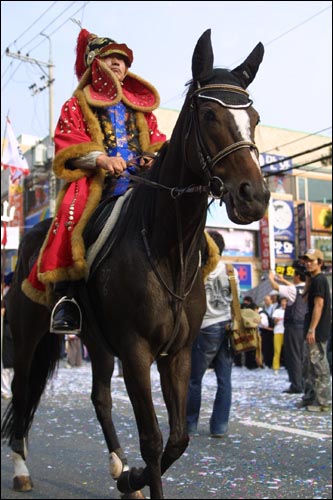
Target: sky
292,89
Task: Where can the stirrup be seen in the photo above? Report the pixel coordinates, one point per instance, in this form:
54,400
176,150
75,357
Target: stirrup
72,332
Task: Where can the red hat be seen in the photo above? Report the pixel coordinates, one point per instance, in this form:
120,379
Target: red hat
89,46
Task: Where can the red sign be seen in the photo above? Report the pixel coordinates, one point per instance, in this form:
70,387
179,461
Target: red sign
264,243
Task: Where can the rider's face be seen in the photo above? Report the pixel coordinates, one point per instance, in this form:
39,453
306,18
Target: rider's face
117,64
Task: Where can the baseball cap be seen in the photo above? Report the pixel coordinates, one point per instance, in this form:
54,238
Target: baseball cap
273,292
313,254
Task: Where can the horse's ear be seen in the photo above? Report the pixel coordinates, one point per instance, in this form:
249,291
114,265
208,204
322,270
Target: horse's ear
203,58
246,71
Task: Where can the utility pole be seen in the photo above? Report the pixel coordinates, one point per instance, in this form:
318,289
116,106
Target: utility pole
35,90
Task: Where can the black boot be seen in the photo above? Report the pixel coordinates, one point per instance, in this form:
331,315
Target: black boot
66,317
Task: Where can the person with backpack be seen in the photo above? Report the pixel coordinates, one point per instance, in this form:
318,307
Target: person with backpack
293,325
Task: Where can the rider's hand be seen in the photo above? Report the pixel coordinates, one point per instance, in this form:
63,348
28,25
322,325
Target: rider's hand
113,164
146,162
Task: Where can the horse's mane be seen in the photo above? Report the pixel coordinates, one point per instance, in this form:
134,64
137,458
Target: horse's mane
142,205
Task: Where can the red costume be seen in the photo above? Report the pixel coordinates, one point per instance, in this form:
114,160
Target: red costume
78,133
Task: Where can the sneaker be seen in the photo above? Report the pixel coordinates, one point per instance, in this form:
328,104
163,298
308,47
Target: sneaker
291,391
220,435
303,404
318,408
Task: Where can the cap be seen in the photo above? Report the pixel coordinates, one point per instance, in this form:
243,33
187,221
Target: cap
274,292
313,254
90,46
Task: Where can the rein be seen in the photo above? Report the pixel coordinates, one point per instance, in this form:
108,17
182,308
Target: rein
214,187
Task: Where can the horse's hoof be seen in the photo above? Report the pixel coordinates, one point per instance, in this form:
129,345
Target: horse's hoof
135,494
22,483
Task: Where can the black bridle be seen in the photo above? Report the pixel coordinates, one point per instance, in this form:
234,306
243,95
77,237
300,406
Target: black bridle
214,187
207,163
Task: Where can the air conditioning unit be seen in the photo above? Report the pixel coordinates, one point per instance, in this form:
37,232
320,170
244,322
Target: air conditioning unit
39,155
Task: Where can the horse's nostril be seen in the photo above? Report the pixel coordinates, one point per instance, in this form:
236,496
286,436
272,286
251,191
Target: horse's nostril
246,191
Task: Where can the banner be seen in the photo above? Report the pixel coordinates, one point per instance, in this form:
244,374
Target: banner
264,239
302,245
13,157
284,229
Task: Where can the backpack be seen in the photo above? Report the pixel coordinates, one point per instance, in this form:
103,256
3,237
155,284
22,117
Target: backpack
270,319
295,313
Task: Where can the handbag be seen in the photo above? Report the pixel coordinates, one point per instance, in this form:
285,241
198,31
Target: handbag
244,330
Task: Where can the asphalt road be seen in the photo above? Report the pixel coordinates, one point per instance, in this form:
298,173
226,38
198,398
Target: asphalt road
272,450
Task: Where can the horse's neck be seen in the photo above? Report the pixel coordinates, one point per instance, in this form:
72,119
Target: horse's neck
181,218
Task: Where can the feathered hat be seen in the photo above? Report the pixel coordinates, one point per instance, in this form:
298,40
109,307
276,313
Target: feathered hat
90,46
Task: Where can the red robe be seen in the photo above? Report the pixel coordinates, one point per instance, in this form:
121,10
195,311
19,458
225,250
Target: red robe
78,132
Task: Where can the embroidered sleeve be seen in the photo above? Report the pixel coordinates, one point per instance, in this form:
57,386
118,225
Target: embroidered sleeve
71,128
154,134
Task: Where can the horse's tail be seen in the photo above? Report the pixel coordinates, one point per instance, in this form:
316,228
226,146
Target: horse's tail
43,366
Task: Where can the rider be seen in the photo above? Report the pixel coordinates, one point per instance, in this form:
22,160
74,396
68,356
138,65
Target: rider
107,123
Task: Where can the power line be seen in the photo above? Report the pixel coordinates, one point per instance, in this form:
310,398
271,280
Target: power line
31,25
289,31
178,96
50,24
66,20
297,154
297,140
296,167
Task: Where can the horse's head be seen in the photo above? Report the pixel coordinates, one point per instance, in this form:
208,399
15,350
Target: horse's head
223,121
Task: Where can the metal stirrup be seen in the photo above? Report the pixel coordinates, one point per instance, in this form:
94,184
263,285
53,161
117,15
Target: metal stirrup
60,301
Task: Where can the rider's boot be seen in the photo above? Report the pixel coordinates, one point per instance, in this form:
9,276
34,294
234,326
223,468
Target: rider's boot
66,317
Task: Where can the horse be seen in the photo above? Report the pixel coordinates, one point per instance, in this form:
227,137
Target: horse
145,300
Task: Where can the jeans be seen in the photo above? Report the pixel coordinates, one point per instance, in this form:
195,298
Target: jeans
211,348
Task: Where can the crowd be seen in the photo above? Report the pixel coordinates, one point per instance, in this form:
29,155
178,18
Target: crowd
295,332
108,128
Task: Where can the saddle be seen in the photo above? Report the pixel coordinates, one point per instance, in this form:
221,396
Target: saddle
102,230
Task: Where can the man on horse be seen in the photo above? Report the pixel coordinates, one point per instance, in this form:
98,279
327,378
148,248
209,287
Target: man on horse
104,130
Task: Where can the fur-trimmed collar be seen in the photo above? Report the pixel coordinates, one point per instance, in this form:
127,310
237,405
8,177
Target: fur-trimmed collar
102,88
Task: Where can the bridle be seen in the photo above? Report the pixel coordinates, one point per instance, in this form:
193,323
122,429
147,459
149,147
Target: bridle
214,187
207,163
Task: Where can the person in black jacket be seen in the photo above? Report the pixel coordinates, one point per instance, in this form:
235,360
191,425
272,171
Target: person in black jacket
7,349
317,380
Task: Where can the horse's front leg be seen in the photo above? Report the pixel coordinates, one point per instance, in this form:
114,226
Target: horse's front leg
174,373
13,425
102,369
136,369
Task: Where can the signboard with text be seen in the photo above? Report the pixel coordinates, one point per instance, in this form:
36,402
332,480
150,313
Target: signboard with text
279,163
284,229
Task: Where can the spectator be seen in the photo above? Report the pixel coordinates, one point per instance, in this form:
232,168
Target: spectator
267,334
74,351
212,346
293,325
274,295
7,347
317,380
278,317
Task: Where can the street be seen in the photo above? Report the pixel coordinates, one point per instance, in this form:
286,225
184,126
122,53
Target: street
272,450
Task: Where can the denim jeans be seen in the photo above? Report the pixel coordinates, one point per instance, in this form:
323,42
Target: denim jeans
211,348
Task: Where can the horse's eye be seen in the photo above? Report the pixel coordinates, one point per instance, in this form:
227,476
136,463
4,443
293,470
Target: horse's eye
209,115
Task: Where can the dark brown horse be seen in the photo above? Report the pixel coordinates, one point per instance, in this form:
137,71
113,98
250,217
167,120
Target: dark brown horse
146,300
